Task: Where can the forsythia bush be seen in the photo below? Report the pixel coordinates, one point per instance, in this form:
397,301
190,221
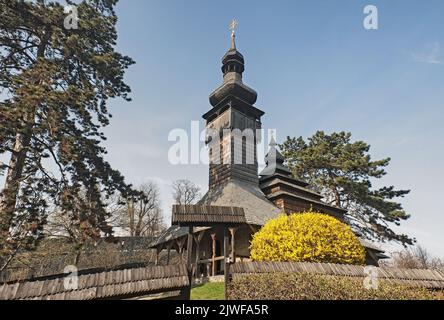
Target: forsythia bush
309,237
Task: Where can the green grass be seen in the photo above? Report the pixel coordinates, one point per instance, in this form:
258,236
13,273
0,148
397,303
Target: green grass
208,291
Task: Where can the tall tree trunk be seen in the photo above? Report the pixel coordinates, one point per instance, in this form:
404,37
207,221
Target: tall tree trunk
8,197
10,192
131,217
138,231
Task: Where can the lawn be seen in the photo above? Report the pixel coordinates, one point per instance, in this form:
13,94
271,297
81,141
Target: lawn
208,291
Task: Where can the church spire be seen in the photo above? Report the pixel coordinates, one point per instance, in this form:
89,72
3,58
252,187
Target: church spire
230,122
233,67
274,161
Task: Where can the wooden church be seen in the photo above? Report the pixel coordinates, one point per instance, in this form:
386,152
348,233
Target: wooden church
235,182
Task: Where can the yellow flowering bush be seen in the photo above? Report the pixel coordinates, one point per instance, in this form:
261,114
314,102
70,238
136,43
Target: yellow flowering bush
309,237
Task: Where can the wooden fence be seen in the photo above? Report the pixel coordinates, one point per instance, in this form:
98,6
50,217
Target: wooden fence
119,284
431,279
174,281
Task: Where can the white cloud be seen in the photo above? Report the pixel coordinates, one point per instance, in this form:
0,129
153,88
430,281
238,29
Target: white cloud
430,54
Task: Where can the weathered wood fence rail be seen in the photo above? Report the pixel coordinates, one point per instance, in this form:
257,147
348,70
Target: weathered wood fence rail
431,279
119,284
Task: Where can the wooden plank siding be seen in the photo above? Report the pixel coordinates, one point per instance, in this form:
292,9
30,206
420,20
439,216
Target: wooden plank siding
431,279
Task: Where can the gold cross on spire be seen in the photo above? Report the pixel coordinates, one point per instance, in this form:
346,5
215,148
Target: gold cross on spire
233,27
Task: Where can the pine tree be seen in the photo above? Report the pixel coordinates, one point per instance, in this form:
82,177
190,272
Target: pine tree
343,172
55,83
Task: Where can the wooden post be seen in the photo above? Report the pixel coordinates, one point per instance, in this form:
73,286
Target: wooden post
213,257
158,250
233,247
226,263
180,244
197,257
179,251
190,247
198,240
168,254
189,262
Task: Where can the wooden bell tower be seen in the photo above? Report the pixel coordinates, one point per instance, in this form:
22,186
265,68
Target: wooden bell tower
233,125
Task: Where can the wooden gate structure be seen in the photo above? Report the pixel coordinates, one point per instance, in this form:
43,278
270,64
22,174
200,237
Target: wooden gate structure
228,218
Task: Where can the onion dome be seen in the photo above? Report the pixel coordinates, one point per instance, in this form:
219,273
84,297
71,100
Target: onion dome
233,66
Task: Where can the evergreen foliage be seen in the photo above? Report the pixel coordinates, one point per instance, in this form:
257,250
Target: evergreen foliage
55,84
343,171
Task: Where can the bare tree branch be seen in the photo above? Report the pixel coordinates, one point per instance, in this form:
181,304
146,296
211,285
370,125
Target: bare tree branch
186,192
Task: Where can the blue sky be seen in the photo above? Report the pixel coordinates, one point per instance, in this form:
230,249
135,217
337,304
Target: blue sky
315,68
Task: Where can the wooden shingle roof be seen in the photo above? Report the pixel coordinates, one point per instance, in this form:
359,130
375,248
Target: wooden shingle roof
431,279
100,285
202,215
